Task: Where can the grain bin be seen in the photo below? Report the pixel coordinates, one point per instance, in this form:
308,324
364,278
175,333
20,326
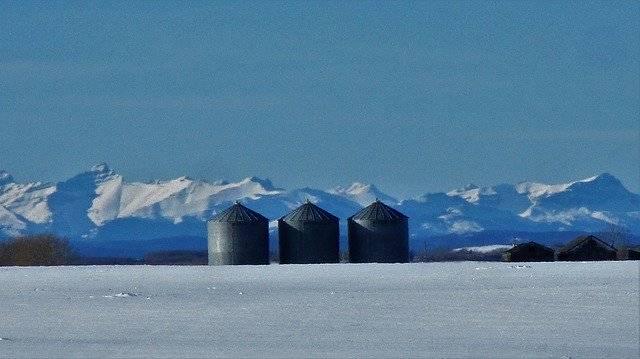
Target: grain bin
378,233
238,235
309,234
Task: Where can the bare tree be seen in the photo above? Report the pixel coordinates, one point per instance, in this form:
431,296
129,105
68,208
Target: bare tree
616,235
344,256
274,256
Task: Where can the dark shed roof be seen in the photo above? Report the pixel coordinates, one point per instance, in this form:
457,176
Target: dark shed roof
309,212
378,211
521,246
239,213
581,239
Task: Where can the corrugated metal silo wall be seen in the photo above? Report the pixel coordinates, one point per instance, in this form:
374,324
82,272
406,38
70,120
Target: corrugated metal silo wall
373,241
238,243
309,242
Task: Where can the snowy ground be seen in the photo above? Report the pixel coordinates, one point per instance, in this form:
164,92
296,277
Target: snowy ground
456,310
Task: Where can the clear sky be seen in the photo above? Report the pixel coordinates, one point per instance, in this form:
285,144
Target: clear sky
414,97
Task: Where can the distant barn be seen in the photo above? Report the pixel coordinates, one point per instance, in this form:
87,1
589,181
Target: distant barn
629,254
529,252
587,248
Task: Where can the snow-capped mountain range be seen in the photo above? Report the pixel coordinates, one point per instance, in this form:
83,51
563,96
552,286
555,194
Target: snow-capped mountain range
99,205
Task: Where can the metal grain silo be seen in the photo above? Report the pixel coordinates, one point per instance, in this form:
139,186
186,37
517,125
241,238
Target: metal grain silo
378,234
238,235
309,234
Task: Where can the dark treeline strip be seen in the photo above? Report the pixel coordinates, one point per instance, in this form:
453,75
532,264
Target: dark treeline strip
39,250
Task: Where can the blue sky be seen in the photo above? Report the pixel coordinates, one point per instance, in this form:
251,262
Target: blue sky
413,97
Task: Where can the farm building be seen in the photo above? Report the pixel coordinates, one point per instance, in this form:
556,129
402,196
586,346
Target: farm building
238,235
629,254
309,234
633,254
587,248
378,233
529,252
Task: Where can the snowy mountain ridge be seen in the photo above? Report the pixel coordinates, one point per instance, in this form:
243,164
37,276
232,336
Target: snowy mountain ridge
362,193
100,204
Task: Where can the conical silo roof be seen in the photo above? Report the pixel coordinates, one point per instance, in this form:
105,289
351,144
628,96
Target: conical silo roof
309,212
239,213
378,211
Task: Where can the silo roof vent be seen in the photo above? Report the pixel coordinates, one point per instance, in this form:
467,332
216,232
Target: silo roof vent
378,211
311,213
239,213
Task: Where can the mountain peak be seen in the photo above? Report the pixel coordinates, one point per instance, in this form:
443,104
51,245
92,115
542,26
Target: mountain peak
265,183
184,178
362,193
219,182
359,187
101,167
5,178
472,193
603,177
602,182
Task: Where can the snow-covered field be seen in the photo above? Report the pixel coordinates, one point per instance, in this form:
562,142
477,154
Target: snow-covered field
468,309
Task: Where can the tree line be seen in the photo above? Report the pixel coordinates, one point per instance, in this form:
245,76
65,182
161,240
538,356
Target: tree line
38,250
